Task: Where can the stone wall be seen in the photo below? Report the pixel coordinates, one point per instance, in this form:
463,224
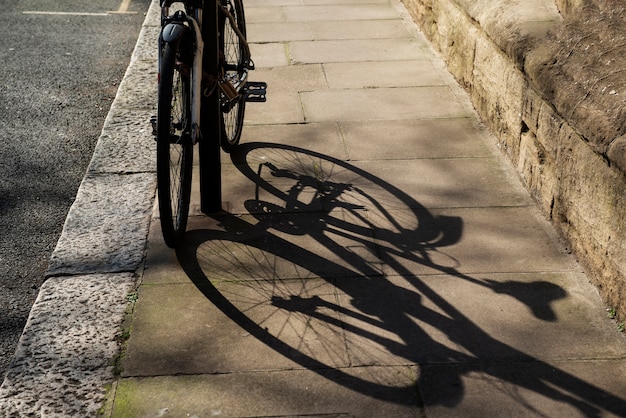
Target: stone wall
549,78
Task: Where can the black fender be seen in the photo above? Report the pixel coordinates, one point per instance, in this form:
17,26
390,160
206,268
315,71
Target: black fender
173,32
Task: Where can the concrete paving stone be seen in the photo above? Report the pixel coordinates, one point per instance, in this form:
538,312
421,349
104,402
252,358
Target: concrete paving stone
351,75
264,29
431,183
280,108
402,139
468,241
65,355
253,185
491,241
268,246
161,265
264,13
358,29
269,55
214,326
526,389
126,144
356,50
439,319
240,183
296,3
254,4
323,138
298,393
340,12
290,79
437,102
363,185
107,226
346,2
267,32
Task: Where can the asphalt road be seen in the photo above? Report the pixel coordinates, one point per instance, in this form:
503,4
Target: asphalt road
61,62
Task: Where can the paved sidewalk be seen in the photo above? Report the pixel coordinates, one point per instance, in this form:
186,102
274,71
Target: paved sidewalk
377,256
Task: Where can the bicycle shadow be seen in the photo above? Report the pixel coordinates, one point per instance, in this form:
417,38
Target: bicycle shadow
323,271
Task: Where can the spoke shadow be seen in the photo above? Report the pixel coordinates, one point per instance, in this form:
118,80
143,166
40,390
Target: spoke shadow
325,263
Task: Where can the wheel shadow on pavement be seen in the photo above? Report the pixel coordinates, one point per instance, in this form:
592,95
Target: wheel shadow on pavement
338,270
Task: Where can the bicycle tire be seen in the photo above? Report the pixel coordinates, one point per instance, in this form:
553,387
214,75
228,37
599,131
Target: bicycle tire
174,145
233,69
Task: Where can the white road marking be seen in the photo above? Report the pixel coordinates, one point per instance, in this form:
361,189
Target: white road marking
32,12
123,9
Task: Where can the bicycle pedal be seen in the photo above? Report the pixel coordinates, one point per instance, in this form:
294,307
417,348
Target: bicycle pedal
255,91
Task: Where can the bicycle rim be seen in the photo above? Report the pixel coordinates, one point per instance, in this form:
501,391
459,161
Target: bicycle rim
174,147
233,68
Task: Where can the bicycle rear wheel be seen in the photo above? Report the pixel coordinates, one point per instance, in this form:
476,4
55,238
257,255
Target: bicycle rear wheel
174,145
234,61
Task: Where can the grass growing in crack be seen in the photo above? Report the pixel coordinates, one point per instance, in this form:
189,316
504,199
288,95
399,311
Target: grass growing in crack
611,313
132,297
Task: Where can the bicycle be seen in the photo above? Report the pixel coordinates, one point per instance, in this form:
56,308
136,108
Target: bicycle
191,78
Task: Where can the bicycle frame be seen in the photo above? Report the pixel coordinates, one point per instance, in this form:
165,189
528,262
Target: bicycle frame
177,26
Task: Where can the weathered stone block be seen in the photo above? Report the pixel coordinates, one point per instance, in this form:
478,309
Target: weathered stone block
548,128
497,94
537,170
590,211
457,42
423,14
531,106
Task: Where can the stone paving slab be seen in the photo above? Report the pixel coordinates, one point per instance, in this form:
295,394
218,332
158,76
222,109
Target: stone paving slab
270,55
399,184
405,73
353,50
298,393
382,104
340,12
272,31
414,139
